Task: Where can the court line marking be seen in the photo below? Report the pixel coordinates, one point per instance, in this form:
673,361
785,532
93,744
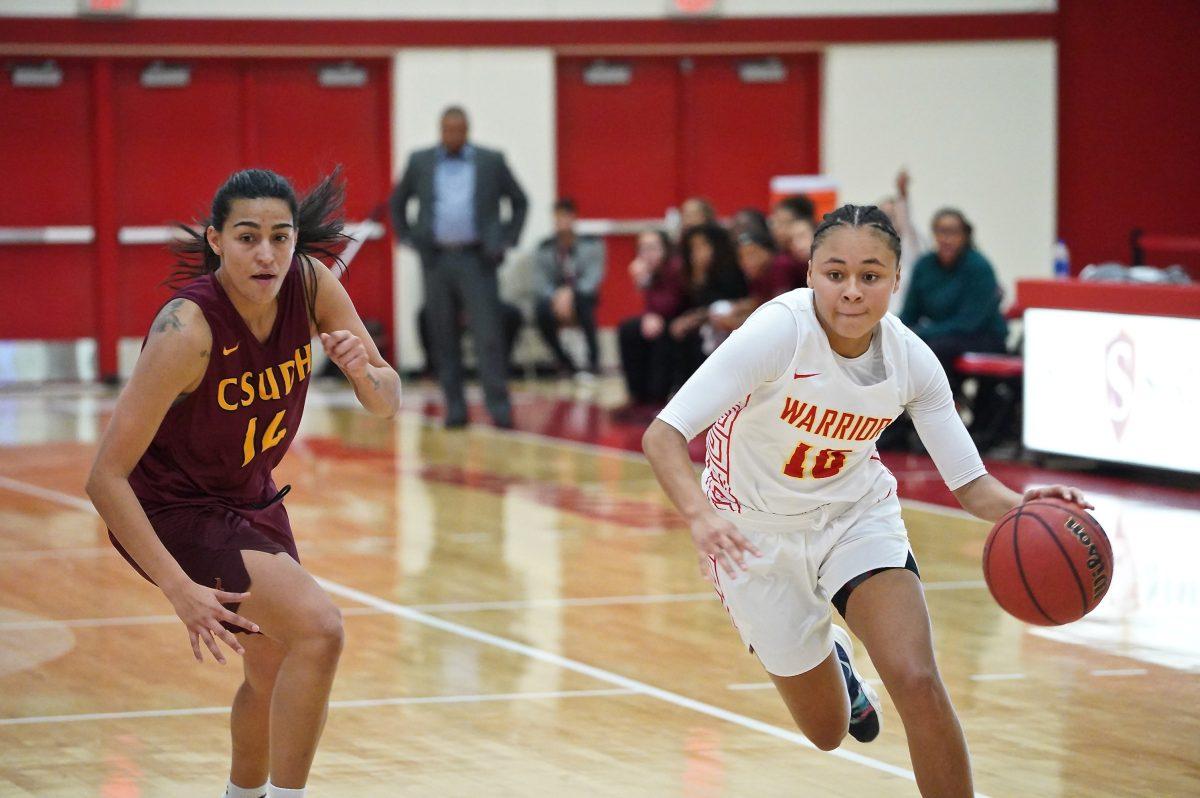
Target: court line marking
603,675
80,553
46,493
448,607
599,674
346,704
1120,672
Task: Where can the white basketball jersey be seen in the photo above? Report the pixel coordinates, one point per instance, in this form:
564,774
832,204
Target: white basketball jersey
807,438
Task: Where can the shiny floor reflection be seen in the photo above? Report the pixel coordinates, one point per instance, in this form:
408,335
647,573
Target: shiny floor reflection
524,618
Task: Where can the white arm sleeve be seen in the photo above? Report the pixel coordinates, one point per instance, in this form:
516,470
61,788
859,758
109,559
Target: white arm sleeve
759,351
937,421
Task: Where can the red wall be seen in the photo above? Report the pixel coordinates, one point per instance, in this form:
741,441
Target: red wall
681,127
117,154
1129,125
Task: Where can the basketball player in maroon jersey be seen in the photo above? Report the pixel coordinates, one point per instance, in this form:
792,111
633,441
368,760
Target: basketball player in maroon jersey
183,472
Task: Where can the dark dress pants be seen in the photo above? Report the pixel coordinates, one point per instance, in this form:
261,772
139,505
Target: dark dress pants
585,315
466,279
511,319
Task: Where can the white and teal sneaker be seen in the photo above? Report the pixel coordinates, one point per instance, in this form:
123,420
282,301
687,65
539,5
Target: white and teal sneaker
864,701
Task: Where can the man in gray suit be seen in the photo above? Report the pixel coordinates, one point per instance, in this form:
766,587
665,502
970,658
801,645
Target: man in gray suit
461,240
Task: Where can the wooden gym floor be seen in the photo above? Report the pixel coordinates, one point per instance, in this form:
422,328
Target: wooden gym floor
524,618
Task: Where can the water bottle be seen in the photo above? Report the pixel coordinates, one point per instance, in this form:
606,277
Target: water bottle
1062,261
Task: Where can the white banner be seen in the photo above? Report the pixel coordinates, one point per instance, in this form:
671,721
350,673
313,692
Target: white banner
1113,387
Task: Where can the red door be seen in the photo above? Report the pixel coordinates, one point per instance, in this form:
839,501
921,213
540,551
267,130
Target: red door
174,148
745,121
46,160
303,129
618,157
720,127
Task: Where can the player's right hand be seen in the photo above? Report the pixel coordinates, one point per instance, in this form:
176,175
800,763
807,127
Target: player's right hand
200,609
719,541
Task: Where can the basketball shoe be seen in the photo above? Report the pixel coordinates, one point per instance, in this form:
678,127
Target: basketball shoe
864,701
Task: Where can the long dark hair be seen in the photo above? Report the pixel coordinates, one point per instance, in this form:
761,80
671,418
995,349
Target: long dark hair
317,216
724,279
857,216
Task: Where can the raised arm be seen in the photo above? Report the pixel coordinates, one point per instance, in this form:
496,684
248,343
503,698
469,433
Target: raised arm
350,347
171,365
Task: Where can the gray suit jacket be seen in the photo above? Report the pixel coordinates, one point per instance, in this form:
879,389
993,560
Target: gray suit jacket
588,256
493,180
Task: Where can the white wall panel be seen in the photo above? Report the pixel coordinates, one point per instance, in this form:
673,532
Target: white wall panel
975,124
509,96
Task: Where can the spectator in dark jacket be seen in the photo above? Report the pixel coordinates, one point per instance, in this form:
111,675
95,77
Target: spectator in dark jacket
953,301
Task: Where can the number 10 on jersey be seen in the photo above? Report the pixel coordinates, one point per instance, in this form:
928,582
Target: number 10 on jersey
827,463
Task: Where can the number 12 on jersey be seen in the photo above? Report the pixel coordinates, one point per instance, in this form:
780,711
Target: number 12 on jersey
828,462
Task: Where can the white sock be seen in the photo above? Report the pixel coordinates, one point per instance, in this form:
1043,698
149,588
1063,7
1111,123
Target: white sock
234,791
283,792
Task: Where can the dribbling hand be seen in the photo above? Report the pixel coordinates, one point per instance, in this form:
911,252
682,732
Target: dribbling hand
347,351
1073,495
200,609
717,540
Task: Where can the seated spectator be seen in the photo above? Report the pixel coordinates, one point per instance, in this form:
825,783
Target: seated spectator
645,345
786,211
792,226
953,301
791,265
693,212
510,319
711,280
568,269
756,255
745,220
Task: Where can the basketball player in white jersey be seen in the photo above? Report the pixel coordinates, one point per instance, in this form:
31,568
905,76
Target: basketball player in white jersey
795,511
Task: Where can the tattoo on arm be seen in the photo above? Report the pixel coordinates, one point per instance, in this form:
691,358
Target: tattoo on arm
168,317
375,382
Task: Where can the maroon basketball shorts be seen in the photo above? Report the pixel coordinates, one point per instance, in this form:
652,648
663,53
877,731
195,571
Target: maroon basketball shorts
207,541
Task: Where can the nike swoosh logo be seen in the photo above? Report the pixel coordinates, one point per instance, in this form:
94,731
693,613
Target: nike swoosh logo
799,376
231,349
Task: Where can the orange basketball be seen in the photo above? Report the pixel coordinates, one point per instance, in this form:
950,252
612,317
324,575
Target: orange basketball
1047,562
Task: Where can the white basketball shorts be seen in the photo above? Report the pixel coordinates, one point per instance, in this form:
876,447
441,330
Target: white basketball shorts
781,604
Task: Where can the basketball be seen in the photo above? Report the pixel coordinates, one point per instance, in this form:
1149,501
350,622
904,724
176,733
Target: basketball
1047,562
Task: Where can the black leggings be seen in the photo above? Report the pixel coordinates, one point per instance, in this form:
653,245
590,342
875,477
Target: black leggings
842,596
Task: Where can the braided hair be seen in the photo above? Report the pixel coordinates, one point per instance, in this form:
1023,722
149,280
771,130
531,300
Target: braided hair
867,216
317,216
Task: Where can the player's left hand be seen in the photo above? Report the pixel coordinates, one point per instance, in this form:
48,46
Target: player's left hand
347,351
1073,495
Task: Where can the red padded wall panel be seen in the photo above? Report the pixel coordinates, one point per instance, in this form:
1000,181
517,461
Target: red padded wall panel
737,135
1129,111
303,130
618,157
46,160
175,147
679,127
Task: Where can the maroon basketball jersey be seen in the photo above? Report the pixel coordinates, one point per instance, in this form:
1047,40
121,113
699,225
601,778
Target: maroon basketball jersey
219,444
